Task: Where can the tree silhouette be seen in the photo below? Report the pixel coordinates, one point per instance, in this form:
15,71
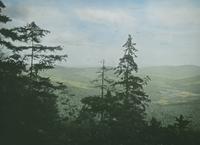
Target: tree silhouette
131,92
103,82
32,34
29,113
181,123
11,67
94,106
132,100
123,108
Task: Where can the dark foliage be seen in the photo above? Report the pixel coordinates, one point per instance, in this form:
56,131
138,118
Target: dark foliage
27,104
28,101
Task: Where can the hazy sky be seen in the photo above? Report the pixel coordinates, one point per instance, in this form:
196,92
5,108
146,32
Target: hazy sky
167,32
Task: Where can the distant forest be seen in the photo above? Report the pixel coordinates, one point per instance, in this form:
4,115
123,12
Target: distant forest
29,101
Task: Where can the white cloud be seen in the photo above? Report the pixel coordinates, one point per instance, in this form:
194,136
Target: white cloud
49,17
173,15
116,17
165,32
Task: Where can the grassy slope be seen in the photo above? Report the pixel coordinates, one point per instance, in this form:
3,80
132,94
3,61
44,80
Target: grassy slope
173,89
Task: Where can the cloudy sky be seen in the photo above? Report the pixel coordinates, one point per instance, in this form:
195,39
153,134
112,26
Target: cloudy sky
167,32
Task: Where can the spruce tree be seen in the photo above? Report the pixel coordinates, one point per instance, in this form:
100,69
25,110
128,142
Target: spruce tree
129,114
103,82
28,106
32,35
96,105
123,107
130,87
94,114
41,90
11,83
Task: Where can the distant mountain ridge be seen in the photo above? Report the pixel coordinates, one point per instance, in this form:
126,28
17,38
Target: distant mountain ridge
175,72
167,72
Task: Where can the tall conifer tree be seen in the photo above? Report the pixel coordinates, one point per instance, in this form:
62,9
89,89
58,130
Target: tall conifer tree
130,87
28,115
128,107
32,34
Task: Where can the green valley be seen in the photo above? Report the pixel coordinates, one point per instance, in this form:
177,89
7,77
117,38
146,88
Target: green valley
173,90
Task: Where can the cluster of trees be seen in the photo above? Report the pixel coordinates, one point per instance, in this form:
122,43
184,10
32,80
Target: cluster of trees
28,101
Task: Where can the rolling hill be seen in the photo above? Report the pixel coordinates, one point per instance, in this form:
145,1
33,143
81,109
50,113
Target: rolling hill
173,90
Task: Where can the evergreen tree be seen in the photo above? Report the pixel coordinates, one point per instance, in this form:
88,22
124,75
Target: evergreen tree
32,34
41,90
6,35
28,112
11,64
129,114
11,67
123,108
96,105
130,87
181,123
103,82
93,117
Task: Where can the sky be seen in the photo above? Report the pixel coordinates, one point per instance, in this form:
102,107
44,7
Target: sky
166,32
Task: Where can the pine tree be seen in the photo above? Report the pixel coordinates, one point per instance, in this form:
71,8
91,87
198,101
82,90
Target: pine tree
7,36
11,67
94,115
97,103
11,64
129,114
29,115
41,90
123,108
103,82
32,34
181,123
130,91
